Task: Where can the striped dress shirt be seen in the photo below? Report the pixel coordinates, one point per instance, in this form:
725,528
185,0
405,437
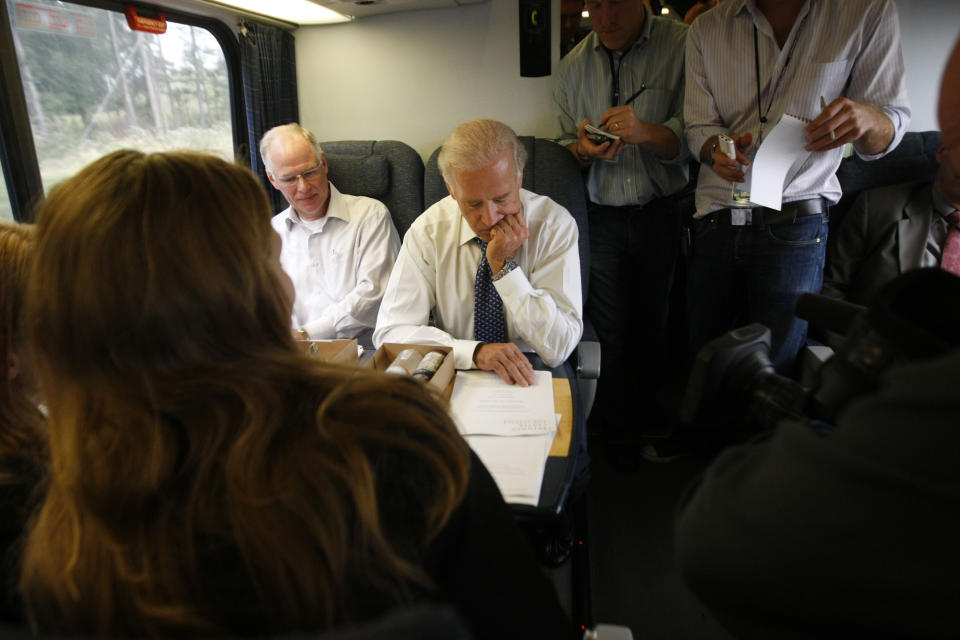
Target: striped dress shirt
583,89
836,48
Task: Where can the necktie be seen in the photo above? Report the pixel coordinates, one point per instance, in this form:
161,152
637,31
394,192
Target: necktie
951,248
489,324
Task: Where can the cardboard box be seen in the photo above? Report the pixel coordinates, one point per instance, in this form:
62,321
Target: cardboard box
389,350
332,351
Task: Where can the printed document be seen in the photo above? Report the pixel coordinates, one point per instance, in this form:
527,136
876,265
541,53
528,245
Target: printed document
516,464
482,403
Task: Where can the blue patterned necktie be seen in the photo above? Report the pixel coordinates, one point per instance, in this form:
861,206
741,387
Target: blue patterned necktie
489,324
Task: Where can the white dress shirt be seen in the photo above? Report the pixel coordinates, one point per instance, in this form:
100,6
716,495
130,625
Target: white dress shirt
437,268
340,267
836,48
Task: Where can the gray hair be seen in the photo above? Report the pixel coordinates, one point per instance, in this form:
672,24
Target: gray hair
286,130
476,144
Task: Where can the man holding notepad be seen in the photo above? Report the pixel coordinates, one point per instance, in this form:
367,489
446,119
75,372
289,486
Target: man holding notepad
626,78
836,63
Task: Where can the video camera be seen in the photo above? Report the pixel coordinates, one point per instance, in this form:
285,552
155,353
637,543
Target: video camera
734,389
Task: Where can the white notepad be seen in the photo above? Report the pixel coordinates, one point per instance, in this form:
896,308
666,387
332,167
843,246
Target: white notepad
779,157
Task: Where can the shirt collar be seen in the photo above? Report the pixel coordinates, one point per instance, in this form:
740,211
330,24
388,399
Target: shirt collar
750,6
336,208
466,234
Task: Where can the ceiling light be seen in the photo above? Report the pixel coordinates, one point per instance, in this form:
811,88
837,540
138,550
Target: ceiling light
300,12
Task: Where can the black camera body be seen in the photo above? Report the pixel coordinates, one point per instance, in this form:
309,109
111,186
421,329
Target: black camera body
733,388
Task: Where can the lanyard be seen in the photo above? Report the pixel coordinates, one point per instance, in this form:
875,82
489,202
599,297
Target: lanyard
773,92
615,75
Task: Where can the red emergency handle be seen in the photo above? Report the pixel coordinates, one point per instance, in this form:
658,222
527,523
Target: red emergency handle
143,23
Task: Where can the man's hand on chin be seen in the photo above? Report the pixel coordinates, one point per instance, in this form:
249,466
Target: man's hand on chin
505,238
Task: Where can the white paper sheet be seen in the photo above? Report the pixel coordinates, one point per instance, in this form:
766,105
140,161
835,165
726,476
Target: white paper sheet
482,403
516,463
780,153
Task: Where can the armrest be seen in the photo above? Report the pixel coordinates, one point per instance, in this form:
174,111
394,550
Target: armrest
608,632
588,360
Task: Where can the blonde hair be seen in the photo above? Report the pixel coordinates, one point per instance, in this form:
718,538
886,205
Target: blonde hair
477,144
20,420
190,437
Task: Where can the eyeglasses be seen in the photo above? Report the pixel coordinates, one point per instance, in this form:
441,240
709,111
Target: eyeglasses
308,175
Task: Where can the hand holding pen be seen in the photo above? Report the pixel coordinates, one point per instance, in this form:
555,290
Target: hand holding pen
622,120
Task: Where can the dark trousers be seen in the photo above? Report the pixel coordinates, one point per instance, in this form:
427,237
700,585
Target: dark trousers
742,274
633,258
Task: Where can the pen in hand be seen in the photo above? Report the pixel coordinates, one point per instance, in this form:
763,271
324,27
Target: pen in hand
823,105
643,87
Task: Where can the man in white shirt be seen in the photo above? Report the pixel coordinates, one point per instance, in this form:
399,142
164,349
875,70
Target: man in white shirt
837,63
531,251
338,249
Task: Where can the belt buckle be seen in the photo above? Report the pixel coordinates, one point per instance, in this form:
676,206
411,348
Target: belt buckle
741,217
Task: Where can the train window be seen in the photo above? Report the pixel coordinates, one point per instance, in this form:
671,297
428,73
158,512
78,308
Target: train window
93,85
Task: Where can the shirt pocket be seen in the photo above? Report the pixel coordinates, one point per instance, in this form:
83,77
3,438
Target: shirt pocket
826,79
653,105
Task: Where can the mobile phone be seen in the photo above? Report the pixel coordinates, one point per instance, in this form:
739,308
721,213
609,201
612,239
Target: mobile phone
599,136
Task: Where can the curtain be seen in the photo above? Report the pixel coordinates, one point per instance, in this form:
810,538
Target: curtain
269,69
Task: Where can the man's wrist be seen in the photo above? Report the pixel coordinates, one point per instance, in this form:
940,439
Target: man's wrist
476,350
582,157
508,266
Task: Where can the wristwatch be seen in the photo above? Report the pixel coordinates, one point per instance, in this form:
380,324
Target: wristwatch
508,266
713,149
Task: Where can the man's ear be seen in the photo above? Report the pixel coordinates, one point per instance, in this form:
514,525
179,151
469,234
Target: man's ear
449,189
272,181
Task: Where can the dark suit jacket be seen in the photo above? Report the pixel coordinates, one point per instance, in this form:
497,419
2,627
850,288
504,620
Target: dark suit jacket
883,236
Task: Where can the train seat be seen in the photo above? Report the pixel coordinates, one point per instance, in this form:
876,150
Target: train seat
387,170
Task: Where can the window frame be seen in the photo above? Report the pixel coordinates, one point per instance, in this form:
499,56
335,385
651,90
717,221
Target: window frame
21,168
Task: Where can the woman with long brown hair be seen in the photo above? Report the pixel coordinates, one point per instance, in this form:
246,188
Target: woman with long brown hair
206,477
21,422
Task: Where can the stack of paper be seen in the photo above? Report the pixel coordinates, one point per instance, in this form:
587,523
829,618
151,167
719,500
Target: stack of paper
511,428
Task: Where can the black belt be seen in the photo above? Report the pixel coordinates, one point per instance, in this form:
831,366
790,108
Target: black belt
761,216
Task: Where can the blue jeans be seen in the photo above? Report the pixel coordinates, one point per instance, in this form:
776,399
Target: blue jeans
740,275
633,258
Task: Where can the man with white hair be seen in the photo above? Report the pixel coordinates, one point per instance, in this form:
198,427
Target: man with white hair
495,265
338,249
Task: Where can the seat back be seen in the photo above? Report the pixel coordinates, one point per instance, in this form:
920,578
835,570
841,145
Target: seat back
551,171
387,170
914,159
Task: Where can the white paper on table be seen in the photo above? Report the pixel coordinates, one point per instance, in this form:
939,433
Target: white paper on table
780,154
516,463
482,403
